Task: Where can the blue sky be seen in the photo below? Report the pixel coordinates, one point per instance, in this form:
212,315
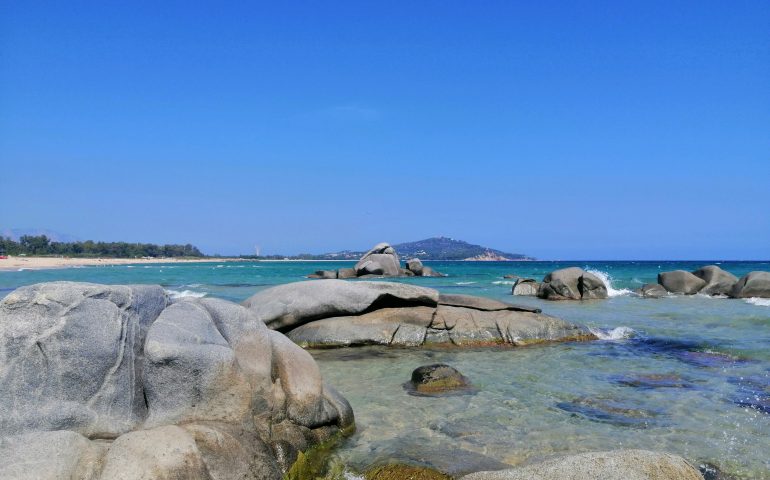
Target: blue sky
564,130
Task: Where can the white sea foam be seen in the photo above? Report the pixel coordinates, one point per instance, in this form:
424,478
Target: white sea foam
174,294
761,302
504,282
617,333
607,279
464,283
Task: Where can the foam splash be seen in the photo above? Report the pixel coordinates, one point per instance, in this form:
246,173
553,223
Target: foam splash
617,333
607,279
760,302
464,283
175,294
504,282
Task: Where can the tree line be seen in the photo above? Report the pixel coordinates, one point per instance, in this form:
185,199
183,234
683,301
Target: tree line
42,245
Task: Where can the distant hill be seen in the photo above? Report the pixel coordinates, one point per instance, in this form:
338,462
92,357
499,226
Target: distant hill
436,248
443,248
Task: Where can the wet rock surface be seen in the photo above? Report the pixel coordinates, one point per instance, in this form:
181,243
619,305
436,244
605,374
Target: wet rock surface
436,380
571,284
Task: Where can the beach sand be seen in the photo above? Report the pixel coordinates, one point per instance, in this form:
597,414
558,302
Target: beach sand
38,263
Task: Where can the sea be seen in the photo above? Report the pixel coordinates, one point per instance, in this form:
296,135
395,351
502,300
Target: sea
684,374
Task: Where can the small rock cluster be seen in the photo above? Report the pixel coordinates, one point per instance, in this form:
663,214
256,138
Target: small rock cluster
565,284
380,261
709,280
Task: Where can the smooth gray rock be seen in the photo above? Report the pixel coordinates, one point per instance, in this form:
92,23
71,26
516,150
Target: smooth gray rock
612,465
71,357
753,284
288,306
386,326
323,274
429,272
343,273
525,287
415,266
718,281
571,284
380,260
681,281
58,455
653,290
481,303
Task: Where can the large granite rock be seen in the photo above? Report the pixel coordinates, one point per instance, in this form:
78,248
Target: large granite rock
338,314
613,465
288,306
753,284
681,281
415,266
571,284
382,259
115,382
718,282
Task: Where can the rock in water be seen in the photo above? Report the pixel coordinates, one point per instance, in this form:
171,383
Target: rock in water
113,382
525,287
572,284
680,281
380,260
653,290
334,313
415,266
437,379
612,465
718,282
754,284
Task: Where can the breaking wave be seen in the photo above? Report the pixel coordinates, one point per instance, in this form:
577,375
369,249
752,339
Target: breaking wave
504,282
761,302
617,333
174,294
607,279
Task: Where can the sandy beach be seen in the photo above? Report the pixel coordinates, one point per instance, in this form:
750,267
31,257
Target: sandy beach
40,263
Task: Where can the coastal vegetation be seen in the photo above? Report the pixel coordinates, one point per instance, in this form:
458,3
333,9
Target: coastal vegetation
41,245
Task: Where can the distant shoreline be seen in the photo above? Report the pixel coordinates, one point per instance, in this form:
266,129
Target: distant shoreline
46,263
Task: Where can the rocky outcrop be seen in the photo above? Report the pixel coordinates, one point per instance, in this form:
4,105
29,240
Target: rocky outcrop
718,282
117,382
652,290
613,465
571,284
437,379
525,287
681,281
754,284
334,313
380,261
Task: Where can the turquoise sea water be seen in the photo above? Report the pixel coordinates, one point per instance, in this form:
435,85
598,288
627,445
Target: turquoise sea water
689,375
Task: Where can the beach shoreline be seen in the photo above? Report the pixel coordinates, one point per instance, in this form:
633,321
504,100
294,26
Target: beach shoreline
46,263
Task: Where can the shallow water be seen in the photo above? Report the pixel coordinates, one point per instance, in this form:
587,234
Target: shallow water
690,375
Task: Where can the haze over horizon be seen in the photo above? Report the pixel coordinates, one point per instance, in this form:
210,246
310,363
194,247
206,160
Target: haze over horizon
552,130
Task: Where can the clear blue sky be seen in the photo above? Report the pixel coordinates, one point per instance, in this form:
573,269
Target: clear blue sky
564,130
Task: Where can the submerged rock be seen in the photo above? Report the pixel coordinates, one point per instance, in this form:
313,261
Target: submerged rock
610,411
398,471
754,284
612,465
105,382
525,287
437,379
718,282
334,313
572,284
681,281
